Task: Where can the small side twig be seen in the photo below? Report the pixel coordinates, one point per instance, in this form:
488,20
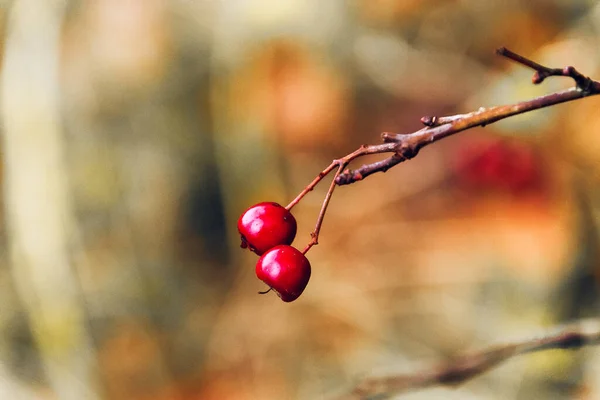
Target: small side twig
541,72
466,367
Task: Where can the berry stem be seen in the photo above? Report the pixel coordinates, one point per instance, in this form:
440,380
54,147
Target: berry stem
312,185
361,151
266,291
315,234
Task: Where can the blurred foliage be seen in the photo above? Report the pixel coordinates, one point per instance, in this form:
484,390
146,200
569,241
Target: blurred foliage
174,116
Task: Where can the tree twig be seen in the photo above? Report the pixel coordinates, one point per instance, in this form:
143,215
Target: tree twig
469,366
541,72
439,127
406,146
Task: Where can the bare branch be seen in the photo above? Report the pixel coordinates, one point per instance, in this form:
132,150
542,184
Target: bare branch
466,367
403,147
439,127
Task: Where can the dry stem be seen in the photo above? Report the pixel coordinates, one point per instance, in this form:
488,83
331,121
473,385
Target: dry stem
469,366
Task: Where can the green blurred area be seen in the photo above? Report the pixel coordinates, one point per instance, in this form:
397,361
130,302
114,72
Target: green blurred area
135,132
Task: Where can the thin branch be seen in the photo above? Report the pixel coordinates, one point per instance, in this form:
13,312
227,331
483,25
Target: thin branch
312,185
361,173
541,72
361,151
466,367
436,128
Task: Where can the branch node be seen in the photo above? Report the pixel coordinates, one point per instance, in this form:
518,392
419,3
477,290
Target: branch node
406,151
568,70
429,120
389,137
537,78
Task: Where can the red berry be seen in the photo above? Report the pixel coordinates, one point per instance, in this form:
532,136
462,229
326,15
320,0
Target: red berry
501,165
266,225
286,270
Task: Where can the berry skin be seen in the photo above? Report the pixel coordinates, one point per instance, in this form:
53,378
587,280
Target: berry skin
266,225
286,270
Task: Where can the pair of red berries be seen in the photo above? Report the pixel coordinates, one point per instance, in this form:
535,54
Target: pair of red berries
268,229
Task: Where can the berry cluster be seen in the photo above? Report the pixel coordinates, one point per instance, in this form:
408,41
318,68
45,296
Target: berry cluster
268,229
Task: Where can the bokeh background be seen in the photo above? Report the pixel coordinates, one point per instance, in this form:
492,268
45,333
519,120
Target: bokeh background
135,132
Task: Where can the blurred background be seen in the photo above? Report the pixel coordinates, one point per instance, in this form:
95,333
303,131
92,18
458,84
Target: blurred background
135,132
